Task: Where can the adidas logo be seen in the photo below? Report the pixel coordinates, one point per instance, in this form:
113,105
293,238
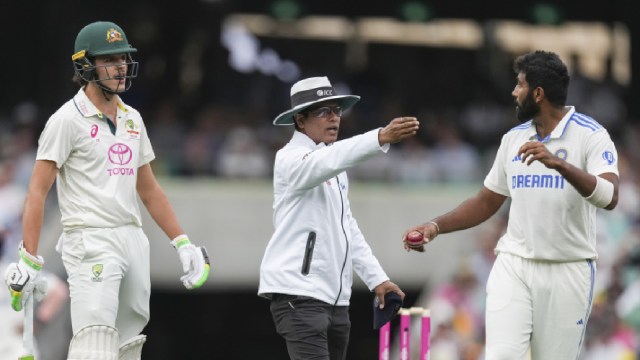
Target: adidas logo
580,322
517,158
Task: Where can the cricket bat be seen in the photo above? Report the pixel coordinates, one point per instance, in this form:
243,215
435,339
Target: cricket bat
27,332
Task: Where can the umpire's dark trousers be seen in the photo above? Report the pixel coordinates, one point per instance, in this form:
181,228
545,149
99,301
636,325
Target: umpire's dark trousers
313,329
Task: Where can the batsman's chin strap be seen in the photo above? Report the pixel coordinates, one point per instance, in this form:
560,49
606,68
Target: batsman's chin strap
106,92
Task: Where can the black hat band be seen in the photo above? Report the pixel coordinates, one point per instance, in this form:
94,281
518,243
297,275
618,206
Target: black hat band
303,97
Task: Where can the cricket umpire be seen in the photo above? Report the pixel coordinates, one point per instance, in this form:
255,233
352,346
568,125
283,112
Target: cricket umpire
307,268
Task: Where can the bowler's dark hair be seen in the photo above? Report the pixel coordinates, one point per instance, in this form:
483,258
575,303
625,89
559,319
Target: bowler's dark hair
546,70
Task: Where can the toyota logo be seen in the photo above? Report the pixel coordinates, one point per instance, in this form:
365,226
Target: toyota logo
120,154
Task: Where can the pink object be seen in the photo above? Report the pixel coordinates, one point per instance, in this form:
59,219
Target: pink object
415,237
425,335
405,334
385,335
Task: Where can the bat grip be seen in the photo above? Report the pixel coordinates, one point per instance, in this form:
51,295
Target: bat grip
27,334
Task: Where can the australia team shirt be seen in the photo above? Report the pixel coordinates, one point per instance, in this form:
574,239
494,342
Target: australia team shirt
98,169
548,218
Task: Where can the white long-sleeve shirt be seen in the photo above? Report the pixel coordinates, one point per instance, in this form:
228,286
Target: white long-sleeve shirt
311,196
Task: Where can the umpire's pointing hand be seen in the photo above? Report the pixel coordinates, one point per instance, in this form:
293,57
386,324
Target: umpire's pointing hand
398,130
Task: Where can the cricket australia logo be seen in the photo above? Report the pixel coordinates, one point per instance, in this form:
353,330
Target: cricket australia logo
97,272
132,129
113,35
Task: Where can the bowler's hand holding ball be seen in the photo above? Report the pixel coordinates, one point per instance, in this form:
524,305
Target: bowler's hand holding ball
415,241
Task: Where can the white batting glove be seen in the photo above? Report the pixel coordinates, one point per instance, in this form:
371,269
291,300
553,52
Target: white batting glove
22,279
195,262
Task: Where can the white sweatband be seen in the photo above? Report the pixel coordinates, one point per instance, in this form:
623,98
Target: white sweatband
603,193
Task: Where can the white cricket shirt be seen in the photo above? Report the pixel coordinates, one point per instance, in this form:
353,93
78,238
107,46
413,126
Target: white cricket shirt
548,218
98,170
311,191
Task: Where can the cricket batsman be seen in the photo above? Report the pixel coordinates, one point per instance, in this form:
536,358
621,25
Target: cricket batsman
97,149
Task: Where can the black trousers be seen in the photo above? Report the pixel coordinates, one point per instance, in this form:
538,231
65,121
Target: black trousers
312,329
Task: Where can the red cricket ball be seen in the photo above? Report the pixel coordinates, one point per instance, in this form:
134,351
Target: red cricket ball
415,237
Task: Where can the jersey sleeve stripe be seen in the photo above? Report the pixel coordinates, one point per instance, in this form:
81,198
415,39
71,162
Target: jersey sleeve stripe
587,120
522,126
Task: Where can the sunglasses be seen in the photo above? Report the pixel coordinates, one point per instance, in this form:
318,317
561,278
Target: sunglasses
325,111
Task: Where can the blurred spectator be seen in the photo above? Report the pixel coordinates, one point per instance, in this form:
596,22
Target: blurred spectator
202,143
167,133
456,161
242,156
378,169
21,148
484,118
628,303
414,164
12,199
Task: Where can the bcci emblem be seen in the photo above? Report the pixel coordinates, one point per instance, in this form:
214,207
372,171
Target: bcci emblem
562,154
97,272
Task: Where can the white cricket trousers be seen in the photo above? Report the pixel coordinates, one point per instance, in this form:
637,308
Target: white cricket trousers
540,304
109,279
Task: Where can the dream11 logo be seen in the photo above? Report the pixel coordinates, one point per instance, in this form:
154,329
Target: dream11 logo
120,154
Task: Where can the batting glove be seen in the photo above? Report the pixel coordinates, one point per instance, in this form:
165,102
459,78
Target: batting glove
22,279
195,262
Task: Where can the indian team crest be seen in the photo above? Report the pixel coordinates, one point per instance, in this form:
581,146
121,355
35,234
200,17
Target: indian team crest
97,272
562,154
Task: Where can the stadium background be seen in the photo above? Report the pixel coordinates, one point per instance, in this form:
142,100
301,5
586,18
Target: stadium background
194,98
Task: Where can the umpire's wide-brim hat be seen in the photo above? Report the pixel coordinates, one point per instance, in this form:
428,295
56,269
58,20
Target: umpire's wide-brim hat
310,91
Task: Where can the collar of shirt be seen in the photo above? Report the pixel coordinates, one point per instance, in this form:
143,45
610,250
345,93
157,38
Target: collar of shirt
559,129
302,139
87,109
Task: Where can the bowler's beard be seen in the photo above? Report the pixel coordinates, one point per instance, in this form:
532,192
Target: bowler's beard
528,109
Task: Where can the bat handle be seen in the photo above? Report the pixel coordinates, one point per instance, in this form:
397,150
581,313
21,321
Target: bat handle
27,334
